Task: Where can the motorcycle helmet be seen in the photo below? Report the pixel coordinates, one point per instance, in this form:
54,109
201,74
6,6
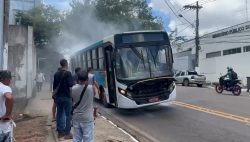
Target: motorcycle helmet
229,68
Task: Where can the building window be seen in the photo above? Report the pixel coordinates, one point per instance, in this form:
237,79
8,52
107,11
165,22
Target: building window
213,54
232,51
246,48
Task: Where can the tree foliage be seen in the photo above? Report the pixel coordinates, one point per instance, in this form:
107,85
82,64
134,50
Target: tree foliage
135,13
46,22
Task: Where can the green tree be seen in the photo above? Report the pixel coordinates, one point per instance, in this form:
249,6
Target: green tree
46,22
135,13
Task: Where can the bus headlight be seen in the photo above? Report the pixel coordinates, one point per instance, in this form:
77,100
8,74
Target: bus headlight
121,91
171,87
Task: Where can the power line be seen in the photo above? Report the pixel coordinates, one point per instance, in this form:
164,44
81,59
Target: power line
176,15
208,1
201,1
183,29
173,5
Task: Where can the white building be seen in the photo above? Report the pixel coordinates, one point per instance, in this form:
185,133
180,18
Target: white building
21,5
184,56
223,48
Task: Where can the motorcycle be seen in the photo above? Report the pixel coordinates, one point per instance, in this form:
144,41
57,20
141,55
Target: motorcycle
234,87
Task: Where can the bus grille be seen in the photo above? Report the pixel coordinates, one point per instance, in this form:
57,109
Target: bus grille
143,92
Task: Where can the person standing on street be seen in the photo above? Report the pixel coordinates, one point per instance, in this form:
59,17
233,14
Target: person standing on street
92,81
62,85
92,78
83,119
6,105
51,77
75,76
39,81
54,104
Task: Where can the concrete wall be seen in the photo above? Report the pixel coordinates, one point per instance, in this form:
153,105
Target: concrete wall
22,61
184,56
184,60
21,5
184,63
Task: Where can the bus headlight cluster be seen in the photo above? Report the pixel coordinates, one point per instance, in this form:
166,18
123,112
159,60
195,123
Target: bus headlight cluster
122,91
171,87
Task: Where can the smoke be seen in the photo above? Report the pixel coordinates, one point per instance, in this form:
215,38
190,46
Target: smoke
82,29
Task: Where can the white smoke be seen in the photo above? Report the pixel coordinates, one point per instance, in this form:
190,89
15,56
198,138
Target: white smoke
87,30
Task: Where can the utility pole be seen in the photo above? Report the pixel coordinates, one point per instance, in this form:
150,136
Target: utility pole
1,33
246,11
196,7
4,16
5,35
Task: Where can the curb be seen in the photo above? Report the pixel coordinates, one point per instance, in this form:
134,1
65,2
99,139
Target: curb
54,134
139,135
51,129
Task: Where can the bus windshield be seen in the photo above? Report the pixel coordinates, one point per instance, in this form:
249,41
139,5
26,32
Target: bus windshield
137,63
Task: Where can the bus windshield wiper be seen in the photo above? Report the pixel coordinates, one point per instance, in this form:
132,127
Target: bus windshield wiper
140,55
154,57
150,70
143,60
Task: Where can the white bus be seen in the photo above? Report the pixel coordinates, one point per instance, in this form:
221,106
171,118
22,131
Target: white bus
133,69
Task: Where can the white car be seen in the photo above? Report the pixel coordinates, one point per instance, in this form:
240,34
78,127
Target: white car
190,77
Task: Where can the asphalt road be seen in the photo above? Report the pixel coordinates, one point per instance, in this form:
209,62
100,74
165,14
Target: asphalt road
198,115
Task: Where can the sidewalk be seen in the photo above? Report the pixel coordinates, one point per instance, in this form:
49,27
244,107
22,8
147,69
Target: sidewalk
37,126
105,131
33,125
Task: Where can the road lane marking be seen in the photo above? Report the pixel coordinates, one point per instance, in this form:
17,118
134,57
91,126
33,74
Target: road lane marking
215,112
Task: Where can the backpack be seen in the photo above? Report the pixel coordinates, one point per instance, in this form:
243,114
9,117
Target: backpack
234,75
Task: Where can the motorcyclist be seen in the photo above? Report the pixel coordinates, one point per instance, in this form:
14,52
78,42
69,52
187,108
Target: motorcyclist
231,77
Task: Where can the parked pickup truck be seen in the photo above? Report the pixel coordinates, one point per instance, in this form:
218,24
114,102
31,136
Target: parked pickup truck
190,77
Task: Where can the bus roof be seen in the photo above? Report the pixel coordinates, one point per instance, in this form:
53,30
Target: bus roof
97,44
92,46
145,31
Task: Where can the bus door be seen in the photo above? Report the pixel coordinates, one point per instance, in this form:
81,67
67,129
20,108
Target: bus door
110,74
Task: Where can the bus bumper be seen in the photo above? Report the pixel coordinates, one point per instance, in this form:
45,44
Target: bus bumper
127,103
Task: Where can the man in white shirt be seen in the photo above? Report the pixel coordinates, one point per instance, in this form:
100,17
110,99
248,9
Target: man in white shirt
6,105
39,81
83,120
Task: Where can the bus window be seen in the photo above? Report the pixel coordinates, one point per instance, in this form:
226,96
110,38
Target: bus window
94,59
78,60
89,59
83,62
101,58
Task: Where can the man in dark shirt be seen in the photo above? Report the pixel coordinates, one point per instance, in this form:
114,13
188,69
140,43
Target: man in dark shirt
75,76
63,82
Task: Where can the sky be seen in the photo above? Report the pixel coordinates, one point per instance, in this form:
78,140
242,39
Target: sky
59,4
215,14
